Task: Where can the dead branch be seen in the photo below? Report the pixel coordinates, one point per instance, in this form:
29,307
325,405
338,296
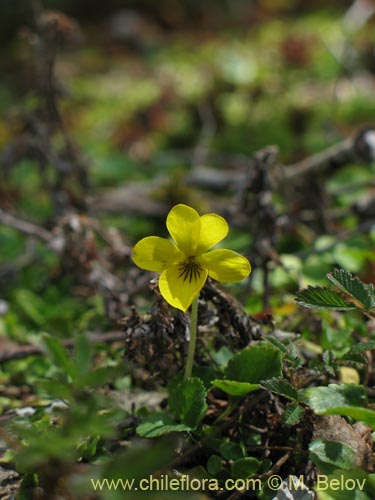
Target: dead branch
360,147
25,226
137,198
75,240
206,135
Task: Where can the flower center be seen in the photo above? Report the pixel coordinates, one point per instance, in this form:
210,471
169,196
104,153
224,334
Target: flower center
190,270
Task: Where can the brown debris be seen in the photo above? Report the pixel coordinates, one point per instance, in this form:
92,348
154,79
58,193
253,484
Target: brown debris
357,437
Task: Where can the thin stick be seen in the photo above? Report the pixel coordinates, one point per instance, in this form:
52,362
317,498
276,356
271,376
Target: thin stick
24,226
193,339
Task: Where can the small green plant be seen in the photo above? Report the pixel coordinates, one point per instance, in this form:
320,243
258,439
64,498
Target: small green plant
353,294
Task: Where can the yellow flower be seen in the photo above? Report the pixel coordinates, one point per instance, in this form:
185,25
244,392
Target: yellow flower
185,262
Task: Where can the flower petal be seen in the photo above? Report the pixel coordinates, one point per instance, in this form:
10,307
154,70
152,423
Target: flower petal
156,254
225,265
214,228
184,226
178,289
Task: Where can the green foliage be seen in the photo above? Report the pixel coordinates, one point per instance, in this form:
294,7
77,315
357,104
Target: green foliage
159,424
214,465
254,364
323,298
140,123
348,400
231,450
332,455
245,467
282,387
31,305
77,372
362,295
248,368
323,399
347,485
356,355
187,402
235,388
293,414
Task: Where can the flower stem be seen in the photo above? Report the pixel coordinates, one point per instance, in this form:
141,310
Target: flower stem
193,338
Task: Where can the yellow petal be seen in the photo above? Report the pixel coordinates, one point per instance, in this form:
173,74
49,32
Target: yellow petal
225,265
184,226
179,289
155,254
213,229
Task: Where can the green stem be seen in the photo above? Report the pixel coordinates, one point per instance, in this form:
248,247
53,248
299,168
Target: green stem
193,338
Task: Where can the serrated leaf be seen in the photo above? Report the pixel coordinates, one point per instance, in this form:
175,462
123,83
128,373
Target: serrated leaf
289,351
282,387
362,347
292,414
356,353
159,424
188,401
322,298
235,388
354,287
279,345
254,364
331,455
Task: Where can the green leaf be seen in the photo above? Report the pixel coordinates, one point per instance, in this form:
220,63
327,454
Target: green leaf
362,414
322,399
265,465
282,387
244,467
292,414
102,375
331,455
32,306
82,356
28,484
231,450
255,364
322,298
56,389
214,465
346,485
279,345
353,286
88,447
360,348
159,424
347,399
60,356
188,401
235,388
